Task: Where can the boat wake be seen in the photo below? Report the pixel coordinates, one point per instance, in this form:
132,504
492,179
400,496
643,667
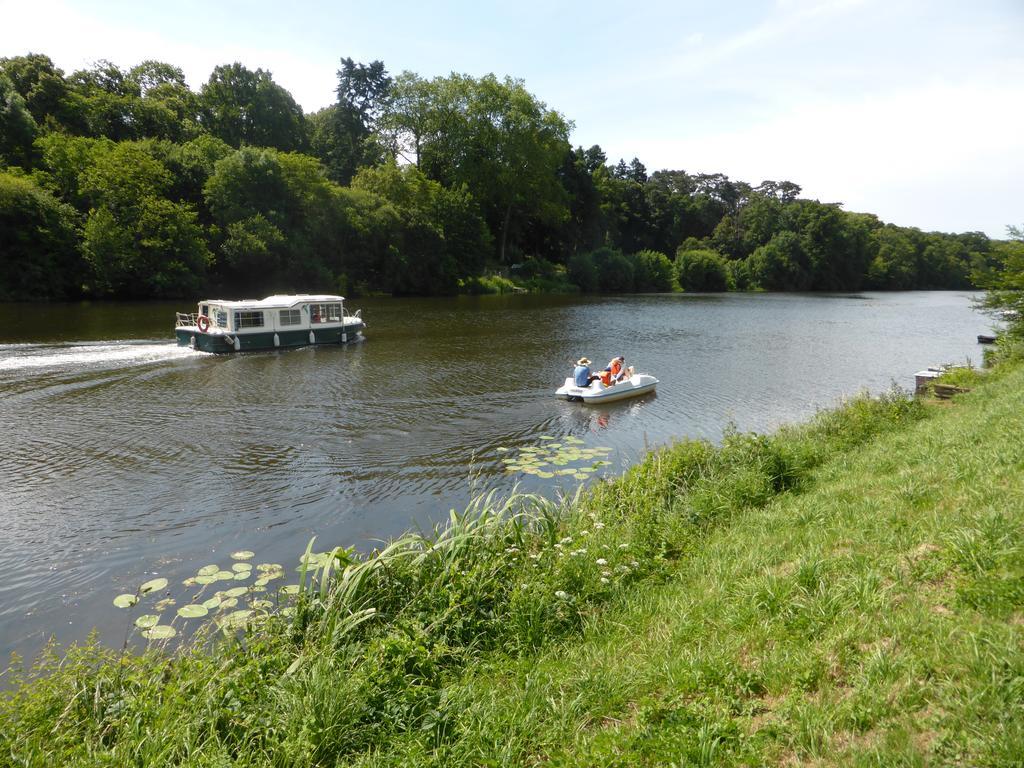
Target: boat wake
88,355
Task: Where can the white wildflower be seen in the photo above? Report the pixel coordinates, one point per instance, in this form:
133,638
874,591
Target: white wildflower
535,555
566,540
606,573
599,525
562,595
602,561
584,533
635,564
623,546
558,546
604,580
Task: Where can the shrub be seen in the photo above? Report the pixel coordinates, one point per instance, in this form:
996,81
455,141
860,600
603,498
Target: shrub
702,270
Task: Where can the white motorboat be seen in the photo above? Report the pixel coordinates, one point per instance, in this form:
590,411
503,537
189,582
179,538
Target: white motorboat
636,385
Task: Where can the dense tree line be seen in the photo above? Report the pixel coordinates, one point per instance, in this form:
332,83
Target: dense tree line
127,183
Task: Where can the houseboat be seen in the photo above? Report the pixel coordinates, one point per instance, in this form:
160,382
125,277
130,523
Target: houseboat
270,323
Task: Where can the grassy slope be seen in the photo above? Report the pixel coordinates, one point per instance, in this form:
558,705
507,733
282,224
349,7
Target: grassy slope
877,618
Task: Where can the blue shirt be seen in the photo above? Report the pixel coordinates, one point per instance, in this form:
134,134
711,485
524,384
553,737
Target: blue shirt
581,376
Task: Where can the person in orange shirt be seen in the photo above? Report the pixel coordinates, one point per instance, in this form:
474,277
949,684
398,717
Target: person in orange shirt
615,372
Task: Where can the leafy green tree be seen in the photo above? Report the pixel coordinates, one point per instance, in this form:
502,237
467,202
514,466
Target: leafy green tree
47,95
109,101
894,265
582,272
501,142
167,108
39,256
652,272
702,270
240,106
780,265
444,236
615,272
156,250
1005,284
17,127
64,161
347,139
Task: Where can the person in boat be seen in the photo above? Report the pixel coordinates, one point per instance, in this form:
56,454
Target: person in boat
616,371
581,374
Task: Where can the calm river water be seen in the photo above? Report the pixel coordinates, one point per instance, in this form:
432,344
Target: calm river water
125,456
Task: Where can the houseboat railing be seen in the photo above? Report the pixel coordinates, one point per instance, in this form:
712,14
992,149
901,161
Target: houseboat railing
186,319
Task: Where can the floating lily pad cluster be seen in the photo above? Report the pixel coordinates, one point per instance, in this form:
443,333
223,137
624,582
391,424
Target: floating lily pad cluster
553,458
220,603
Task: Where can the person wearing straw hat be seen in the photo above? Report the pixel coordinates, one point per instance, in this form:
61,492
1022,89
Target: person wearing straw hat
581,373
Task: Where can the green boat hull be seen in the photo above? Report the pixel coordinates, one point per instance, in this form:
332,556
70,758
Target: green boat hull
253,342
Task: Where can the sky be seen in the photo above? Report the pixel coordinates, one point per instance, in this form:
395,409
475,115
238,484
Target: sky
909,109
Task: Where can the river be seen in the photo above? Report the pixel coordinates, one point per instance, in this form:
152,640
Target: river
125,456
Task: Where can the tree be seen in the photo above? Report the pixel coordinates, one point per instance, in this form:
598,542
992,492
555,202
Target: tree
38,243
701,270
780,265
652,271
47,95
157,250
344,134
443,235
240,107
1005,285
17,127
500,141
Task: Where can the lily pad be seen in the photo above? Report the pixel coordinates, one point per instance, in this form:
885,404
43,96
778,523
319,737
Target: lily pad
230,602
147,621
242,575
581,475
160,632
193,611
270,567
126,601
564,472
153,585
224,575
546,437
163,605
235,591
243,554
290,589
545,475
189,582
213,602
204,580
262,605
208,570
239,567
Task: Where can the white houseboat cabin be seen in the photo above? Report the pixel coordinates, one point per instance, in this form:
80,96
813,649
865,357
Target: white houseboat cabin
270,323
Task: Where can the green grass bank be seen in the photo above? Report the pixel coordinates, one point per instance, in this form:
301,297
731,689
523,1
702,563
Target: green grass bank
846,592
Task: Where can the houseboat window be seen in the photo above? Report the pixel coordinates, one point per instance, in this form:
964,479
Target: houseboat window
204,310
325,313
220,318
290,317
248,319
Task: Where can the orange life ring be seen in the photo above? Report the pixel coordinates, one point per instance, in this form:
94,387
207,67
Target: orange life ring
203,323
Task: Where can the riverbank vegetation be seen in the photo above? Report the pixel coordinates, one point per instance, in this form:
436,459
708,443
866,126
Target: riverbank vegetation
125,183
846,592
